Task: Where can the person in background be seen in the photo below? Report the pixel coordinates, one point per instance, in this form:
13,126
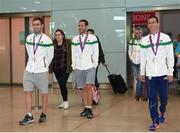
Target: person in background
134,53
175,57
101,57
177,50
177,53
157,61
40,54
85,54
61,64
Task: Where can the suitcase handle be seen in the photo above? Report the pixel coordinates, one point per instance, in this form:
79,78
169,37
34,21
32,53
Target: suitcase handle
107,70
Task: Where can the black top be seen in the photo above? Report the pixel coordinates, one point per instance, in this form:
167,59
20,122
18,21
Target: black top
101,53
60,58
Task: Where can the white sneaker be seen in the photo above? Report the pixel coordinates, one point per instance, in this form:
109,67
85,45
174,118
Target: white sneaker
61,105
66,105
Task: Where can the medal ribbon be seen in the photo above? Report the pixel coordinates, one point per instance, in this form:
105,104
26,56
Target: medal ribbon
82,44
152,44
35,45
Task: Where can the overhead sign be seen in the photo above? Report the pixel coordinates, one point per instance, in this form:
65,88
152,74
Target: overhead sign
140,18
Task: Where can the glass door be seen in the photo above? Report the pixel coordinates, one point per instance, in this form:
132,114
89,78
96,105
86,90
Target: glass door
13,30
5,51
18,49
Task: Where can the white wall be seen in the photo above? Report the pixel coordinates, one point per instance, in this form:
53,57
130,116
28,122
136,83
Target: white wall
18,6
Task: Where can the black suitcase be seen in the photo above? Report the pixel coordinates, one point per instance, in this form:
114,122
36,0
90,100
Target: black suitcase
117,83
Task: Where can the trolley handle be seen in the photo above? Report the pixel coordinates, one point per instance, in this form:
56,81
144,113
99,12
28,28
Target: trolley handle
107,70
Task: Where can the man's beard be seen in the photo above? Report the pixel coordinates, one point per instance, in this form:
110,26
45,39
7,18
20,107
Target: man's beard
81,32
37,31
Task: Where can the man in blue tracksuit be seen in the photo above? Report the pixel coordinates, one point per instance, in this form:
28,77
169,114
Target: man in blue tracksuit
157,61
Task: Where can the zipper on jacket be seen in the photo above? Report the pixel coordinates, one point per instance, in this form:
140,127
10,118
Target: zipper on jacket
44,61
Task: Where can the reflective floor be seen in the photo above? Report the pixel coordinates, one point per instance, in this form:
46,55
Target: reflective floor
114,113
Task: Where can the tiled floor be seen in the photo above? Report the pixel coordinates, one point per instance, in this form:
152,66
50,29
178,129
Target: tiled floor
114,113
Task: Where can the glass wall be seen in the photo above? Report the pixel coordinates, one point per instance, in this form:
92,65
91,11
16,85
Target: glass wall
109,25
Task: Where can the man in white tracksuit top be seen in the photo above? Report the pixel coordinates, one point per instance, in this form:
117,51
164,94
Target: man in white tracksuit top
157,61
40,53
134,53
85,54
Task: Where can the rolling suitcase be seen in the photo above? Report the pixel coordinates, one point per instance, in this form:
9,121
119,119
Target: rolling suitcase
117,83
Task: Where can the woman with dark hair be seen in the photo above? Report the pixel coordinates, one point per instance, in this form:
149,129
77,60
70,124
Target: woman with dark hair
61,65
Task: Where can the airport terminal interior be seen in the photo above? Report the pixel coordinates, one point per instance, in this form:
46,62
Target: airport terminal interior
114,22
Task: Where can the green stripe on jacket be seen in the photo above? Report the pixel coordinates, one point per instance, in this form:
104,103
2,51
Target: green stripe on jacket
40,44
87,43
161,44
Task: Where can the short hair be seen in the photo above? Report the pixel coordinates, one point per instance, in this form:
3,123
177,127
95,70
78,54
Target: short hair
138,28
90,30
178,35
157,20
38,18
85,21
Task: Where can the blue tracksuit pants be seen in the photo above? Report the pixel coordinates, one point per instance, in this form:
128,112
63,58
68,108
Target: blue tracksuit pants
157,86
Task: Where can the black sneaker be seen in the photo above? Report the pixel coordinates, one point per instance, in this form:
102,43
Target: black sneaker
89,114
137,98
42,118
84,112
27,120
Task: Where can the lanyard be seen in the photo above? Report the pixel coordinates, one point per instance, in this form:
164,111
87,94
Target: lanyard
82,44
35,45
152,44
